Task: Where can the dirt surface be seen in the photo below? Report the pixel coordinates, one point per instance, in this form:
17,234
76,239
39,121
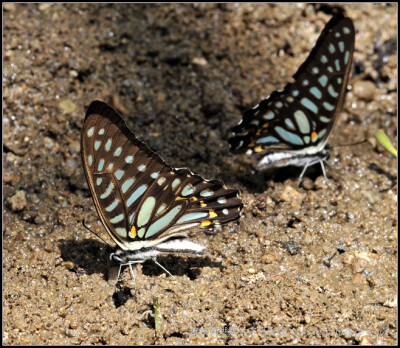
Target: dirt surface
315,264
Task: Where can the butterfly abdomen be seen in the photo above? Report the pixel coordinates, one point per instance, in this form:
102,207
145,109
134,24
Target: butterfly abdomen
283,159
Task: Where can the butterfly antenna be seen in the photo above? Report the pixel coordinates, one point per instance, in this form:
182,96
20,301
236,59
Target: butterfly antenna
84,225
352,144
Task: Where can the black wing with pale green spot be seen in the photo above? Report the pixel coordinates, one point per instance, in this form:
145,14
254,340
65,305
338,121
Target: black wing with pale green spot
137,195
302,115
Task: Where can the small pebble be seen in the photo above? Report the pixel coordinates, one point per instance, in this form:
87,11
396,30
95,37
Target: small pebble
74,146
48,142
18,201
295,198
360,337
199,61
364,90
292,248
268,258
44,7
67,106
73,73
9,7
347,334
391,303
7,178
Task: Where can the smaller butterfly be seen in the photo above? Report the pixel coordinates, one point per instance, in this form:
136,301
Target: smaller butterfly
147,207
291,127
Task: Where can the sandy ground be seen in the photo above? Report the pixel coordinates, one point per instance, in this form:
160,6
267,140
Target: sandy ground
315,264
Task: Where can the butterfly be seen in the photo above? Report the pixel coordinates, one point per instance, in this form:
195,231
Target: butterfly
292,126
146,206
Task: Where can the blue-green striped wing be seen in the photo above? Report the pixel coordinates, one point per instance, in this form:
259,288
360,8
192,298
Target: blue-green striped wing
301,117
137,195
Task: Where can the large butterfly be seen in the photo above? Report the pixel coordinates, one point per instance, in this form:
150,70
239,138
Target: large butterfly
146,206
291,127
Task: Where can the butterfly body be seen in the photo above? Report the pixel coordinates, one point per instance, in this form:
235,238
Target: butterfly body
145,252
146,206
283,159
292,126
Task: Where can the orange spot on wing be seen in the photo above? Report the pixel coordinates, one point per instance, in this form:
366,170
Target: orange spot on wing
202,204
133,231
313,136
205,223
212,214
258,149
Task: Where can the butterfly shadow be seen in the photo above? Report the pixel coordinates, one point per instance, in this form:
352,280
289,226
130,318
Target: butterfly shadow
176,266
179,266
90,256
280,175
257,182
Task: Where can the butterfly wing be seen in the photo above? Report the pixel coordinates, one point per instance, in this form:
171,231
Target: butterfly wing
137,195
303,114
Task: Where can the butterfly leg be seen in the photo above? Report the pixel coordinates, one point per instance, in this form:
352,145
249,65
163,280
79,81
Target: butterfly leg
323,169
119,272
328,163
157,263
132,274
130,263
302,173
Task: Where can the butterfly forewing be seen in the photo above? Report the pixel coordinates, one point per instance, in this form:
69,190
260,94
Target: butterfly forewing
303,114
137,195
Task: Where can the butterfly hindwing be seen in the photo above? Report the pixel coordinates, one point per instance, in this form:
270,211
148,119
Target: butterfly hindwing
137,195
184,201
303,114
